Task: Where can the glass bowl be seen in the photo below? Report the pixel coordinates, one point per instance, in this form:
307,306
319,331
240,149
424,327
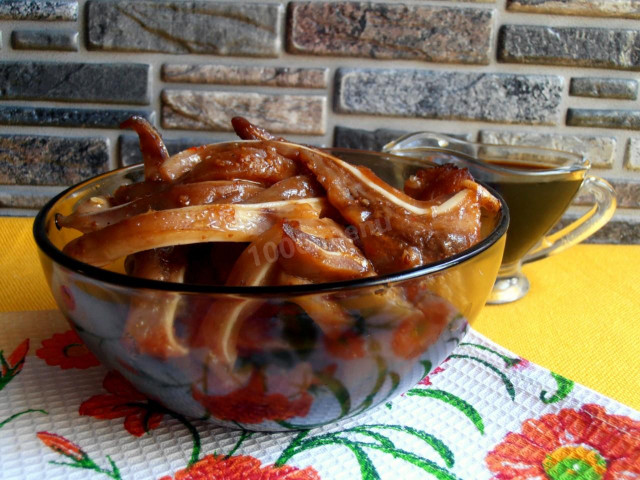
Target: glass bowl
286,372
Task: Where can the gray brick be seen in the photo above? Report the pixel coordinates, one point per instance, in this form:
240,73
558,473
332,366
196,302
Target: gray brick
493,97
246,75
632,154
346,137
41,160
623,88
589,8
627,193
75,82
599,150
67,117
625,119
39,10
382,30
572,46
63,40
19,196
196,110
218,28
129,146
624,231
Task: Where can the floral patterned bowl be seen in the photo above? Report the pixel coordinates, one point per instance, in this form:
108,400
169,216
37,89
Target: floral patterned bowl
288,373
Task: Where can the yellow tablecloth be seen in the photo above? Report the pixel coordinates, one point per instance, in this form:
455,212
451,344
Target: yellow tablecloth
581,318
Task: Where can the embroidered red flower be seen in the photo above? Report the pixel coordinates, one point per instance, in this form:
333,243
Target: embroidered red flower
251,404
61,445
15,360
12,365
585,444
79,458
242,467
123,400
66,350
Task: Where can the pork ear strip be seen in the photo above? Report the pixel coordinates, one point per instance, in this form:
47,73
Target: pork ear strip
187,225
300,186
154,152
259,161
248,131
173,196
397,232
221,325
327,313
151,317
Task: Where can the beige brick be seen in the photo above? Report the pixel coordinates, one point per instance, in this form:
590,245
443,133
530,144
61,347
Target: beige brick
599,150
632,154
589,8
196,110
246,75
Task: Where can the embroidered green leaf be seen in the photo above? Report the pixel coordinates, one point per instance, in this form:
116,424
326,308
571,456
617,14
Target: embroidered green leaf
466,408
509,361
367,469
507,383
426,465
565,386
291,449
195,436
243,436
298,444
363,430
16,415
438,445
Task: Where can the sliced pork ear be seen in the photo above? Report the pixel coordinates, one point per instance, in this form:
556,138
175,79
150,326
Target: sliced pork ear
154,152
150,321
173,196
300,186
396,231
255,161
248,131
220,327
187,225
432,183
435,182
326,312
320,251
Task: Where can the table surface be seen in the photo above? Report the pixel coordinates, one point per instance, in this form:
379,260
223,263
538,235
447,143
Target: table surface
581,318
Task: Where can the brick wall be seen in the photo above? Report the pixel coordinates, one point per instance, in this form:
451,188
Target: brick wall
555,73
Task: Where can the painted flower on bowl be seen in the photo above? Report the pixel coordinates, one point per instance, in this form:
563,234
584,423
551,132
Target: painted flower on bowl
253,404
584,444
241,467
67,350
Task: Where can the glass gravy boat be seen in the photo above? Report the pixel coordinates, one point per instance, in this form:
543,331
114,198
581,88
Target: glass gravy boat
538,186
